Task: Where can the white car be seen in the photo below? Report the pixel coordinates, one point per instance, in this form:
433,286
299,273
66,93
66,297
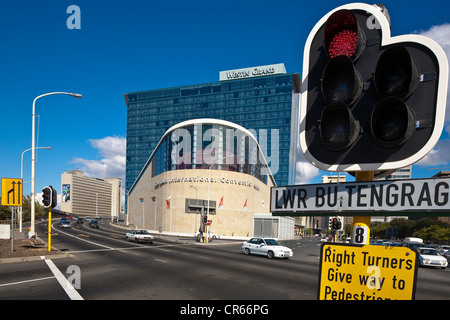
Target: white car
139,235
267,247
210,235
431,257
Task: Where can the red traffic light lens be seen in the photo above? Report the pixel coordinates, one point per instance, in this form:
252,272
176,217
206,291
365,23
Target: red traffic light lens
343,35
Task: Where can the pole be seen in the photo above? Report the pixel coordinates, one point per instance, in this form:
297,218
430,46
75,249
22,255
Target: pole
50,228
361,225
12,229
33,153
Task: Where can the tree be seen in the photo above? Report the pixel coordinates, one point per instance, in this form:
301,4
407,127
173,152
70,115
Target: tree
5,212
434,233
405,227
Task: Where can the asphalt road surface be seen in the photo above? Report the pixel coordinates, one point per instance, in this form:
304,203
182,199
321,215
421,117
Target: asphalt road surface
99,264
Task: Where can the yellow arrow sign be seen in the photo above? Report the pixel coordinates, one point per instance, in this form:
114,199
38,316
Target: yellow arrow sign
12,191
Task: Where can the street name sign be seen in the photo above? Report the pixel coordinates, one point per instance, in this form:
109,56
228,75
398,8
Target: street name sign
12,192
398,197
354,272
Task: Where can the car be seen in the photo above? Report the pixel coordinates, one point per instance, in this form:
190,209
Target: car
446,255
80,220
267,247
431,257
64,223
93,224
211,235
139,235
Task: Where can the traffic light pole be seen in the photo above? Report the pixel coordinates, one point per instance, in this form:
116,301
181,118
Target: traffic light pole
50,229
361,225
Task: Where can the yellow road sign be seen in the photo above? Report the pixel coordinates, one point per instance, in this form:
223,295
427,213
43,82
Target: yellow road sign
12,192
353,272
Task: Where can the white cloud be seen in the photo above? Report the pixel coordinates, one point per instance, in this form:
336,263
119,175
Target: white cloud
113,161
304,171
439,155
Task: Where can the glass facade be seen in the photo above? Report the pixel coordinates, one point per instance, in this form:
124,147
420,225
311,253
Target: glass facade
267,106
208,144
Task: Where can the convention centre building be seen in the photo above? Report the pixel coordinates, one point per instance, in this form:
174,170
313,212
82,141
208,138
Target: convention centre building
206,171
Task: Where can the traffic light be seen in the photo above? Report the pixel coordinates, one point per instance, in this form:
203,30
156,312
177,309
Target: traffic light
335,223
370,102
47,197
54,197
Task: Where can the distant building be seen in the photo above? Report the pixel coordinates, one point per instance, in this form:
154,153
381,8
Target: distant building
264,100
403,173
334,179
86,196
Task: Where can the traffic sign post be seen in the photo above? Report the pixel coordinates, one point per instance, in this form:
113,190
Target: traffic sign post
353,272
11,192
361,225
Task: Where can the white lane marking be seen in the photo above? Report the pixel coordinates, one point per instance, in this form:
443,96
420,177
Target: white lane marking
65,284
25,281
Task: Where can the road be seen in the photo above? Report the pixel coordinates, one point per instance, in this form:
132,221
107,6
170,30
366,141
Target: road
101,265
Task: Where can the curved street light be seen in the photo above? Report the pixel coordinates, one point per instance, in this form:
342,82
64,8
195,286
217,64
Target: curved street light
33,148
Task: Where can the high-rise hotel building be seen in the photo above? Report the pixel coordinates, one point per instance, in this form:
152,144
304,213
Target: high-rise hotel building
263,100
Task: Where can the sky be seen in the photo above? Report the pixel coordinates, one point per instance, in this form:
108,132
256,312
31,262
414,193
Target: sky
125,46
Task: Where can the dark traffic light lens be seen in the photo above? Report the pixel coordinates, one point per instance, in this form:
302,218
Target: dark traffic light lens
396,73
338,127
343,35
341,81
392,122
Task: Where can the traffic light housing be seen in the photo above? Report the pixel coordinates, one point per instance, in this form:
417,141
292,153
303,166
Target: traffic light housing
335,223
54,197
370,102
47,197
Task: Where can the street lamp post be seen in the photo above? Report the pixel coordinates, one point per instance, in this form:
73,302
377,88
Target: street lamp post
33,152
21,177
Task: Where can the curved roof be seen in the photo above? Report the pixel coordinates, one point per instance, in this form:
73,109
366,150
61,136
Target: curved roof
201,121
